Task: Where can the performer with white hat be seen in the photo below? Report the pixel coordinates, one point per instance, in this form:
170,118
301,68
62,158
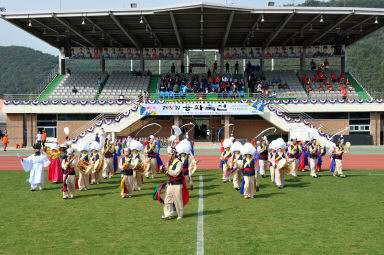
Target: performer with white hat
35,164
108,151
151,151
83,148
262,150
126,167
278,161
294,151
94,160
338,152
314,151
248,165
176,193
225,156
135,163
70,180
184,149
234,162
55,172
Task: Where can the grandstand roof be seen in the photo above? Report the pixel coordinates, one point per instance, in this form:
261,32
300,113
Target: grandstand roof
201,25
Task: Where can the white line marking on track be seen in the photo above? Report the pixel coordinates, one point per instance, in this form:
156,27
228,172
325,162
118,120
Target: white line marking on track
200,220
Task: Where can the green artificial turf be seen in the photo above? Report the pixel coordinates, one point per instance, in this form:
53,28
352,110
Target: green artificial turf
309,216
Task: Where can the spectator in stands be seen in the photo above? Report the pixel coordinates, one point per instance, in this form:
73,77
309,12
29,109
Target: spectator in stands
96,53
227,67
291,52
341,87
74,89
280,86
309,88
268,54
80,54
68,71
149,73
38,137
344,92
173,68
190,69
327,82
106,53
330,88
140,97
326,64
351,88
285,85
209,73
315,79
146,94
215,67
99,81
113,54
176,88
43,138
313,65
88,53
333,77
273,95
320,88
121,54
237,67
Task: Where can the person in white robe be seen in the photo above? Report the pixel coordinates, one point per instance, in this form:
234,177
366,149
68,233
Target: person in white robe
35,164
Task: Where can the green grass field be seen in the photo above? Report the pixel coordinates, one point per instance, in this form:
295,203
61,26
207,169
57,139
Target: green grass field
310,216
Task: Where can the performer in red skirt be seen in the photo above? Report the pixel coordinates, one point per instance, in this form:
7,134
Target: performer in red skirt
55,172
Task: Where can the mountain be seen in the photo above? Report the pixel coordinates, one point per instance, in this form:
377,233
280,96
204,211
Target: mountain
23,69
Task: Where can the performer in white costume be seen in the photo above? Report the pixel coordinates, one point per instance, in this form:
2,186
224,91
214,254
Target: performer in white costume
35,164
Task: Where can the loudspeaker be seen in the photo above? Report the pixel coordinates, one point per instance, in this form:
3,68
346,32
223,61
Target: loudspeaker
338,45
67,46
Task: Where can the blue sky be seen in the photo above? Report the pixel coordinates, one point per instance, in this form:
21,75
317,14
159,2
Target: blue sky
16,36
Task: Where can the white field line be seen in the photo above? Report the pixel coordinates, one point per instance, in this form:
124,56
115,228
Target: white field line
200,220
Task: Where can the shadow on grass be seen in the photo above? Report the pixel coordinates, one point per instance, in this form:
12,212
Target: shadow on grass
212,186
297,185
206,212
268,194
82,195
292,180
206,194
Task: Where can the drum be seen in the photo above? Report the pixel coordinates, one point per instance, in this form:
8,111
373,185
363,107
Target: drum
99,165
282,163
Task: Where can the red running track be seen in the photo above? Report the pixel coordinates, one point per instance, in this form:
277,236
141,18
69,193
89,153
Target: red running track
365,162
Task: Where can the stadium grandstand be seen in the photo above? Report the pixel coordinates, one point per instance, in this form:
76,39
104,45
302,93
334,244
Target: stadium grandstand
284,57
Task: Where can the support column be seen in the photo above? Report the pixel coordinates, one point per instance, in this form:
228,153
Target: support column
244,65
31,129
102,64
222,61
302,60
262,60
131,65
61,63
113,136
187,59
176,122
181,61
141,61
159,66
375,127
344,64
226,127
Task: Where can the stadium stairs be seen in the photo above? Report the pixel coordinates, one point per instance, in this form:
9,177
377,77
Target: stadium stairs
124,123
51,87
102,87
285,126
358,88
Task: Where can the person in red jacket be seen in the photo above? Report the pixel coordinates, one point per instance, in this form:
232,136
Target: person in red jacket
333,77
5,141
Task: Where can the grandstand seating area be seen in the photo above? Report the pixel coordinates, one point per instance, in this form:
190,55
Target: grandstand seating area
123,84
86,84
335,93
295,88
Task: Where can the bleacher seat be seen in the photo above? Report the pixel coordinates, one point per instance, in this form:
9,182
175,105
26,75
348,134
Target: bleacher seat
295,90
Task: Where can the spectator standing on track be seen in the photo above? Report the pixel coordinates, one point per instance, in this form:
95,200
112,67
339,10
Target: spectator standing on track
5,141
237,67
43,138
38,137
227,67
313,65
190,69
182,68
209,73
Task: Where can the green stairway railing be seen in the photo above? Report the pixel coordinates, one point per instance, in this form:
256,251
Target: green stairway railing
51,87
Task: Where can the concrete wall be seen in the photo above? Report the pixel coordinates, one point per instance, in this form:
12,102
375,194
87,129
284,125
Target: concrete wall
15,128
375,127
333,126
248,129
